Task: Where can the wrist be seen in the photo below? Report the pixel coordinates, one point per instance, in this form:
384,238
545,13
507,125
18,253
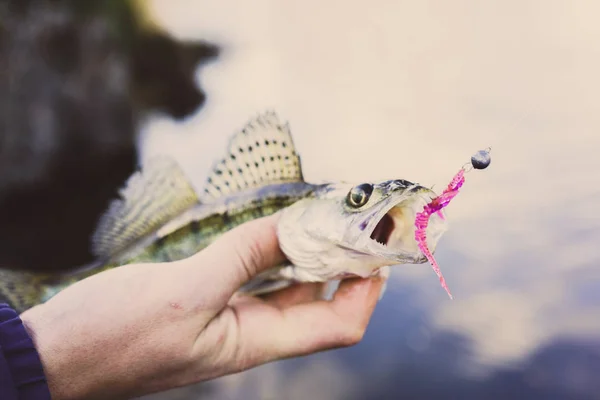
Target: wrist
61,387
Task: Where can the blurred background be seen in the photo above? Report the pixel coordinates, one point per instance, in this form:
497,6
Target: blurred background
372,90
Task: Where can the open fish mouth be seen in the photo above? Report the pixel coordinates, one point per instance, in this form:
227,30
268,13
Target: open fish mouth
384,229
392,230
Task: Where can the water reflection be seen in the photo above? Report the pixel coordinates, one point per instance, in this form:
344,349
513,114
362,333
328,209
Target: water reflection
410,90
406,357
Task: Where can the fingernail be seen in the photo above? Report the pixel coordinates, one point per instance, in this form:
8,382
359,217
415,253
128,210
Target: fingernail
383,274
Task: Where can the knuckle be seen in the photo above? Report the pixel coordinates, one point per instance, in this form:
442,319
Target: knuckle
353,335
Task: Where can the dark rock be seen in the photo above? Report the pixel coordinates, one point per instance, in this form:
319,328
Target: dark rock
76,77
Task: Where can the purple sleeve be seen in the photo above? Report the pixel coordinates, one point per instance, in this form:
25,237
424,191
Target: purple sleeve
21,373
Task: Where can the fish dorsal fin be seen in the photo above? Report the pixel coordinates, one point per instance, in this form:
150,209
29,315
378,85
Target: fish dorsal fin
149,198
262,153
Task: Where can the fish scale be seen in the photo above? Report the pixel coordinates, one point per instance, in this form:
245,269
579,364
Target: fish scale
196,235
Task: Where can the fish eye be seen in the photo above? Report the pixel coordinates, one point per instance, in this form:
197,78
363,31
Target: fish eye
359,195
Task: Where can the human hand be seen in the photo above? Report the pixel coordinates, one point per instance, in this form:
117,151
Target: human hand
145,328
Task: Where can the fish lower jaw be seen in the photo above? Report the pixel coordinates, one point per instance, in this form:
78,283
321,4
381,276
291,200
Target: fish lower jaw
393,238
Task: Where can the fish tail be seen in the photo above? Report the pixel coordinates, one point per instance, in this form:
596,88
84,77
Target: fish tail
23,289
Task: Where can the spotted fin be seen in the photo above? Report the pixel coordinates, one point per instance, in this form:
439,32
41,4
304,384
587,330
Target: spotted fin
262,153
150,197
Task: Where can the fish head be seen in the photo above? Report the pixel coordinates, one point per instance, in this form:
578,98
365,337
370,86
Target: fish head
355,229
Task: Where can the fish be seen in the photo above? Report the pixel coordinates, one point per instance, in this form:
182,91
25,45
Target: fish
328,231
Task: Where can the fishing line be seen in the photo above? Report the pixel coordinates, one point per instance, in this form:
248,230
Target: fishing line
480,160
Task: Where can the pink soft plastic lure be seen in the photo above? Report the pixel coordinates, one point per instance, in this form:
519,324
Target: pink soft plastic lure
480,160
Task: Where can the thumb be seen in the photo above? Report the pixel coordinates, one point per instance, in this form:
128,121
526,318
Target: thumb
241,253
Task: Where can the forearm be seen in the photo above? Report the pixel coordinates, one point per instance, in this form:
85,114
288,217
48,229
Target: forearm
73,363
